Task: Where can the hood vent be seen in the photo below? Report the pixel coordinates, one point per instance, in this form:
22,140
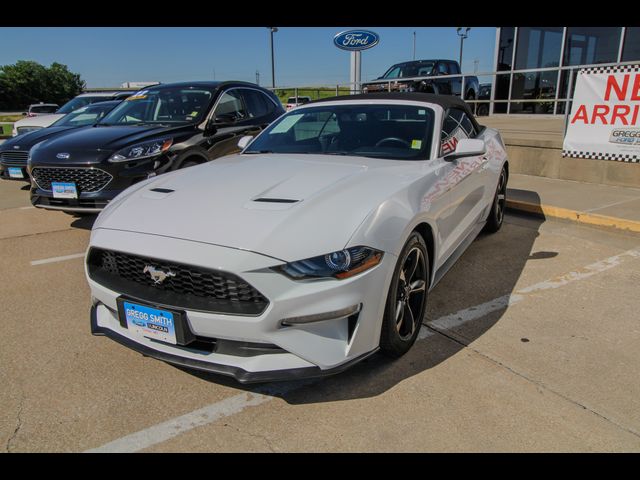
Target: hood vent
276,200
162,190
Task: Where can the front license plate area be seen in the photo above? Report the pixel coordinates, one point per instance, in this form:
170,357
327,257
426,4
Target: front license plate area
15,172
154,322
64,190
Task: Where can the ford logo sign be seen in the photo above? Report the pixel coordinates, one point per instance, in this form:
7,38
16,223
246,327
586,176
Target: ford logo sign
63,156
356,40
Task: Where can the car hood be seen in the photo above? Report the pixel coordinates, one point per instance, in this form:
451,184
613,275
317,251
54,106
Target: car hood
39,121
289,207
106,138
28,140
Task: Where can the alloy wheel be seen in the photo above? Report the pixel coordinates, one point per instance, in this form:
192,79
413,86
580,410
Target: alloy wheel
411,291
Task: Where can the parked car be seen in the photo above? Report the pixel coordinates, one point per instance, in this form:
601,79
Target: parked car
309,251
31,124
15,151
157,130
291,101
408,77
41,108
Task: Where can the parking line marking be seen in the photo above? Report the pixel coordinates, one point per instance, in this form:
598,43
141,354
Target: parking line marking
230,406
57,259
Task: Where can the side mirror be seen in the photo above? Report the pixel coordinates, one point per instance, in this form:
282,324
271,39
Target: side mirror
244,141
467,147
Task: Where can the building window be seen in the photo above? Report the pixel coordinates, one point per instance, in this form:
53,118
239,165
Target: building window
535,86
631,49
505,50
591,45
538,47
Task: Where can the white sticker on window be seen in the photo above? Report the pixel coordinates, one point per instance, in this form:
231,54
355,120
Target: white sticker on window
285,125
422,112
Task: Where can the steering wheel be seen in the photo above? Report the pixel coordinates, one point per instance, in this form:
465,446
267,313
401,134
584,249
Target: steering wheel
393,139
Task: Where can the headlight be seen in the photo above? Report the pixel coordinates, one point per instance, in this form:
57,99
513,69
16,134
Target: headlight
141,150
342,264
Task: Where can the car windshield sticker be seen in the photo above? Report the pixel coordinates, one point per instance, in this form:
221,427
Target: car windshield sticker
416,144
138,96
193,114
285,125
422,112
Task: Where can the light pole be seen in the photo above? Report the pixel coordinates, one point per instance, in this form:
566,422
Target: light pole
414,45
463,32
272,30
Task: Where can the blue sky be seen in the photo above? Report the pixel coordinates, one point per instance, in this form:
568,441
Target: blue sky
108,56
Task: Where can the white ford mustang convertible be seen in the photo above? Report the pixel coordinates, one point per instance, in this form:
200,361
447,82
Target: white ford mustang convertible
312,249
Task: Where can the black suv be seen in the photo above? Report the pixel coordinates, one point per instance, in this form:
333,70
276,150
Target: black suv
156,130
15,151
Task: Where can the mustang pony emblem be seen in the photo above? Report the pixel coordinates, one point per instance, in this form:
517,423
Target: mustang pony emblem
158,276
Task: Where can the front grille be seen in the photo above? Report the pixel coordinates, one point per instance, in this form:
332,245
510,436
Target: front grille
189,287
14,157
86,179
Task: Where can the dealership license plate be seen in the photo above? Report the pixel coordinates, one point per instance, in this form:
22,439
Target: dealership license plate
15,172
64,190
150,322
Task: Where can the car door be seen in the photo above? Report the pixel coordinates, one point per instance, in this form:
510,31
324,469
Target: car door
442,84
467,181
455,83
232,120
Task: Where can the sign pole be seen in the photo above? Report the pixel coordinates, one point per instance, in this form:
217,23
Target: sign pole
356,71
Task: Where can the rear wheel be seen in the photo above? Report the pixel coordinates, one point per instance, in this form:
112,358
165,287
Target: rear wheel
407,298
496,216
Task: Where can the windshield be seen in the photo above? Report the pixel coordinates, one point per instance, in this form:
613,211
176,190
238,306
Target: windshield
166,105
85,115
399,132
414,69
78,102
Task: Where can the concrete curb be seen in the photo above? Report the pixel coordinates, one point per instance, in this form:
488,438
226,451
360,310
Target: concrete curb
574,215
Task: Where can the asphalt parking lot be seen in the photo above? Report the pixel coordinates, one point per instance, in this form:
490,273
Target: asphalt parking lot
530,344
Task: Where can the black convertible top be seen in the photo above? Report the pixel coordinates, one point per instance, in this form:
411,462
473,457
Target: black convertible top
445,101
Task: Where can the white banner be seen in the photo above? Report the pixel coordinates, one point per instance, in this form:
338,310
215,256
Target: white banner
603,123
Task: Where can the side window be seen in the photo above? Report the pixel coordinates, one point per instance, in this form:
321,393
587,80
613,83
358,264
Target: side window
456,126
442,68
453,68
230,106
256,103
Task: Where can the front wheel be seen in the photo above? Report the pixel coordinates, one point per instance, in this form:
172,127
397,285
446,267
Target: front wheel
407,299
496,216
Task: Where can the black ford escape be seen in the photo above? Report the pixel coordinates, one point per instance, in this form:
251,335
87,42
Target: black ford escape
156,130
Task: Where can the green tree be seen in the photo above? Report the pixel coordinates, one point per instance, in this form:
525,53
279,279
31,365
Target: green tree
28,82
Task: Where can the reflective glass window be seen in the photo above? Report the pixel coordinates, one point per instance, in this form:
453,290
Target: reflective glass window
505,49
590,45
631,49
538,47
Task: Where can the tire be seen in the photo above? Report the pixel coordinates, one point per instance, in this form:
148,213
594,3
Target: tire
496,216
188,163
397,336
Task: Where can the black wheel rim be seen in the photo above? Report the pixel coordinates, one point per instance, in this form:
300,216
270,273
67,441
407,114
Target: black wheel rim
501,197
411,294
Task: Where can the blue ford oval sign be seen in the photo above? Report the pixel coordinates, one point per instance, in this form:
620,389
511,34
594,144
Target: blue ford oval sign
356,40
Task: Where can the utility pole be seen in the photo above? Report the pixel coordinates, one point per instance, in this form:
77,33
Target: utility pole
272,30
463,32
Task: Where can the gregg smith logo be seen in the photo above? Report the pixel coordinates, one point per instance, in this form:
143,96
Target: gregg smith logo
625,136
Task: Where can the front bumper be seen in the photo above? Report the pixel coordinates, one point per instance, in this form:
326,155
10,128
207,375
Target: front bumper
303,350
123,175
4,171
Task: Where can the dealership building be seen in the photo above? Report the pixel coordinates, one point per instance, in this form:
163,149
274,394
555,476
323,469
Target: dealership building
537,66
